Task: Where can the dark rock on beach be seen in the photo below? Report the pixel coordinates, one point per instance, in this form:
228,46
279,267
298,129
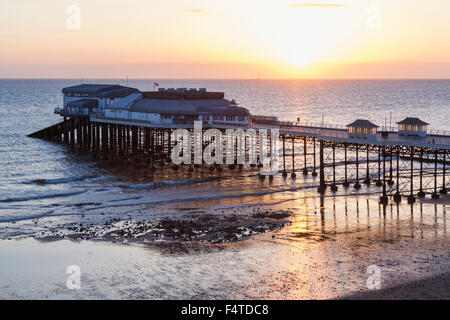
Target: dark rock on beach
206,228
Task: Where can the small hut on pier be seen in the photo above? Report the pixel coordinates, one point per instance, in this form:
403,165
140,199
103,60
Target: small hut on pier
412,127
362,129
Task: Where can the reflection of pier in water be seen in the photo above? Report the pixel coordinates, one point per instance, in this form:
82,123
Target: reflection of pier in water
349,214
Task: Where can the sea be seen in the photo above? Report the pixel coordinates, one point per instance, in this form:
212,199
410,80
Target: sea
49,185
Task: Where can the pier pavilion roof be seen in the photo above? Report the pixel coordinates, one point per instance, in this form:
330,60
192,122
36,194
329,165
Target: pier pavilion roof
83,103
100,90
361,123
413,122
194,106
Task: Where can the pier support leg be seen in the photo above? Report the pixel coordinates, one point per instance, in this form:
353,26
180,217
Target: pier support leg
435,195
367,180
293,175
169,144
421,194
97,136
397,196
120,137
79,133
334,187
89,133
378,183
66,131
284,157
84,124
357,184
314,173
391,180
305,148
411,198
384,198
322,185
444,188
346,184
72,131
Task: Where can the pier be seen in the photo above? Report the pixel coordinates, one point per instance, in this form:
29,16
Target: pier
122,123
400,166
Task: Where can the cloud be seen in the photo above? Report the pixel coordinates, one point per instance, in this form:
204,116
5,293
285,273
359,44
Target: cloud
321,5
194,10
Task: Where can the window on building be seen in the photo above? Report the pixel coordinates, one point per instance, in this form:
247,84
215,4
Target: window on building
230,118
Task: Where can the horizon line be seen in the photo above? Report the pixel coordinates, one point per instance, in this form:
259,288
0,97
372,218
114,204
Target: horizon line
246,78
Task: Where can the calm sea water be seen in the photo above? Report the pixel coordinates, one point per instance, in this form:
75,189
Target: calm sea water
44,179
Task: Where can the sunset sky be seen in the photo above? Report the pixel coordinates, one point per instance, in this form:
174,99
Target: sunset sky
225,39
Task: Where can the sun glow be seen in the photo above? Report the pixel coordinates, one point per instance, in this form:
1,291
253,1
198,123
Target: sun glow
233,38
300,36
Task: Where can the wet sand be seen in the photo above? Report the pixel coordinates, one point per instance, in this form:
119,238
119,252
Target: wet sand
323,253
433,288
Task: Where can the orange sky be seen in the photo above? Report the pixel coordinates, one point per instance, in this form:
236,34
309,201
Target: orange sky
225,39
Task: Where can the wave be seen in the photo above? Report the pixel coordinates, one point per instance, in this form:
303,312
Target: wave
43,196
157,184
22,218
208,197
60,180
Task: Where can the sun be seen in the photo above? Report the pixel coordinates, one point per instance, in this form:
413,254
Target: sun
301,56
302,37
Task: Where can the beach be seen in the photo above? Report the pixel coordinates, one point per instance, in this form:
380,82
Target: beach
137,232
319,254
